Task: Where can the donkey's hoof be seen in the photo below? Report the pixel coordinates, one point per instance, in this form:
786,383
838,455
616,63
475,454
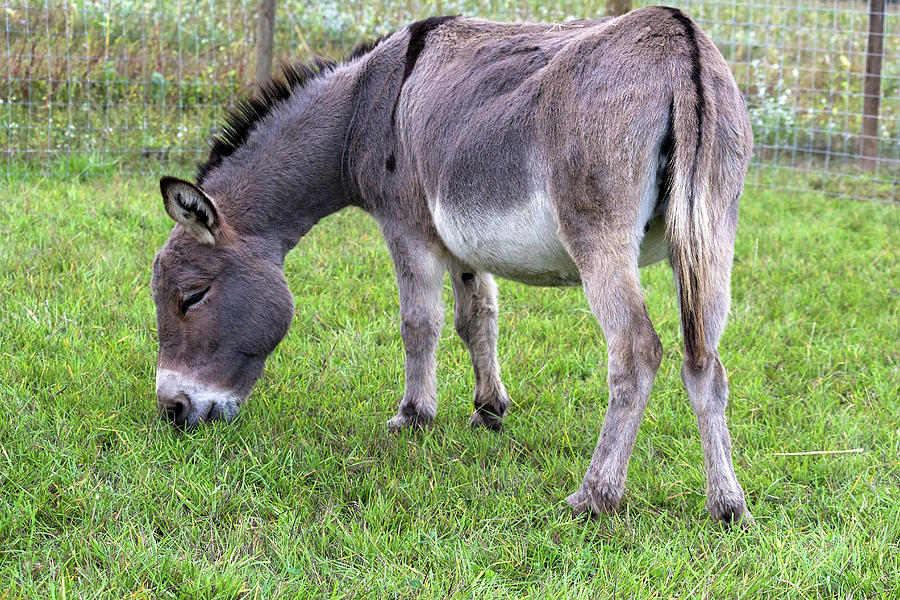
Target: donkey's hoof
402,421
490,410
729,508
486,419
578,503
595,500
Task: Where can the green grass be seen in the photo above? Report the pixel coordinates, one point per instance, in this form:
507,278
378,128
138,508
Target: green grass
307,494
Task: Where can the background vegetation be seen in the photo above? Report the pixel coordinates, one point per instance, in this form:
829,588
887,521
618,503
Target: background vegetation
138,82
308,495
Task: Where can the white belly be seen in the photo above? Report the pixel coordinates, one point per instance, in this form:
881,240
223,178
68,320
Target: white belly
524,245
521,244
654,246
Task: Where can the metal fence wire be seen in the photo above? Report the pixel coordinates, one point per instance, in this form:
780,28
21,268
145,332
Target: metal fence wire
138,86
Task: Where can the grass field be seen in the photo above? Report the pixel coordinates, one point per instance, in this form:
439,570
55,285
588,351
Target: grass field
307,494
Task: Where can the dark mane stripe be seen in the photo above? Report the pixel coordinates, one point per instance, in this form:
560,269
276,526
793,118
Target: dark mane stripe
365,46
242,119
244,116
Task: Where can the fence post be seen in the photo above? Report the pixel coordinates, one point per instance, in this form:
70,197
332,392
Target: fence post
615,8
868,147
265,41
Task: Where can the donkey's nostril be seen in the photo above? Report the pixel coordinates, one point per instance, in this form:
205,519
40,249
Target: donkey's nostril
177,409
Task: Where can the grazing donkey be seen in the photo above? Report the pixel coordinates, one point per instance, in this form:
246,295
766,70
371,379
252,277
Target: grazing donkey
552,154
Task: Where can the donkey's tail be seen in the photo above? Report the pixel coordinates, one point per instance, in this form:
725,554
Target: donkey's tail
688,218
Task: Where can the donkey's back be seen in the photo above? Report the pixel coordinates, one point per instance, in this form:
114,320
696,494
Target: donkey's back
506,122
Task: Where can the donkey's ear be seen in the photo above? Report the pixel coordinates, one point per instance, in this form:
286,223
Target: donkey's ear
192,209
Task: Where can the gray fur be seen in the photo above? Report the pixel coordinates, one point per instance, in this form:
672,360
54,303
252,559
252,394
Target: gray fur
554,154
475,320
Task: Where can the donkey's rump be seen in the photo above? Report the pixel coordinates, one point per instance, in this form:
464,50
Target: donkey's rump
495,116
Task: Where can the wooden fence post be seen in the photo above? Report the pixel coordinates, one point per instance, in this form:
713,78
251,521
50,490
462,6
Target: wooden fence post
614,8
868,146
265,41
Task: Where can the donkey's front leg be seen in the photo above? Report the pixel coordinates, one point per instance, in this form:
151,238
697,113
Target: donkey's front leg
634,354
420,272
475,319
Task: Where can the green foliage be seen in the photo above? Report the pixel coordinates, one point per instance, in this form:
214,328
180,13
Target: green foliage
139,76
771,116
307,494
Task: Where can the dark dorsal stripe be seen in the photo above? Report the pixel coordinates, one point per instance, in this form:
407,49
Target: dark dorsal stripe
418,33
700,104
243,118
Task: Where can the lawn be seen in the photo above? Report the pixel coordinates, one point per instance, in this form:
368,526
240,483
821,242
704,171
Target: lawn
307,494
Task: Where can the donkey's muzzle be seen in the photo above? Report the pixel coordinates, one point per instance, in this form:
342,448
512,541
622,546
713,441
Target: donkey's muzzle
176,409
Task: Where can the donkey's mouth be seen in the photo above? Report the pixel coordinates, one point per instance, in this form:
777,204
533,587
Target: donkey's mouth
186,403
209,412
185,414
225,410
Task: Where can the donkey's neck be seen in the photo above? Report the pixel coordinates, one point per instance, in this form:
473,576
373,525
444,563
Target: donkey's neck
289,173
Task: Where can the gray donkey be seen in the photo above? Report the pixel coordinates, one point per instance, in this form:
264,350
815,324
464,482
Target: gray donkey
551,154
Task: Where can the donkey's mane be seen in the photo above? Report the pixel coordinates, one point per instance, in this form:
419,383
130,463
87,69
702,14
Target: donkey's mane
243,117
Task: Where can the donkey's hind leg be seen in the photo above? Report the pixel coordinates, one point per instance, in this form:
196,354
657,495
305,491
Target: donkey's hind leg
610,277
420,273
475,319
707,386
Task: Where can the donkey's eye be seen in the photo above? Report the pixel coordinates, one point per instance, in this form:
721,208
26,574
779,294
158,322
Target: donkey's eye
192,300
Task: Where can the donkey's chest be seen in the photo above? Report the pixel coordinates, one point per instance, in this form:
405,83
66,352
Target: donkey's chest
520,243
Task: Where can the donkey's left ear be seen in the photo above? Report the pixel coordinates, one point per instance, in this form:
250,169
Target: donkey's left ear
192,209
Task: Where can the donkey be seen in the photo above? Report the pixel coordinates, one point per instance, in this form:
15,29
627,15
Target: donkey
551,154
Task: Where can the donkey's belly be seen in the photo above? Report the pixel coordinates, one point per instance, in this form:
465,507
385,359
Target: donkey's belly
654,246
521,244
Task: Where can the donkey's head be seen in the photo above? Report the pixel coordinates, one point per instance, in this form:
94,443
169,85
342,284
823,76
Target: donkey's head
222,305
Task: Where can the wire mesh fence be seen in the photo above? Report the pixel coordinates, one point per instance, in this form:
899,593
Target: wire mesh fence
138,86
